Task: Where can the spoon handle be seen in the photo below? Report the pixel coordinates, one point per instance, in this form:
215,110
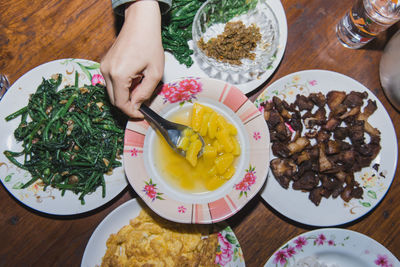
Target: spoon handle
151,116
170,130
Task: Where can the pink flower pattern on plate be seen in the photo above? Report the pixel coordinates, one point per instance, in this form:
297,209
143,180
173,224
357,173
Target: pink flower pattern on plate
150,190
283,255
181,209
185,90
248,180
280,257
134,152
256,135
300,242
313,82
98,79
320,239
290,251
382,260
224,255
331,243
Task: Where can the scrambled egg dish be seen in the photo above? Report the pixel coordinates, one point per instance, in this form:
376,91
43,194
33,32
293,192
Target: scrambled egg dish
149,240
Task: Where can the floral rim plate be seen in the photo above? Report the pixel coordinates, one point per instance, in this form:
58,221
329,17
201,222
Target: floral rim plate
230,252
49,201
223,202
173,70
375,181
334,246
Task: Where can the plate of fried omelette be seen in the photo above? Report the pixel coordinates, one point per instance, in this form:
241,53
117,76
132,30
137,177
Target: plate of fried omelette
133,235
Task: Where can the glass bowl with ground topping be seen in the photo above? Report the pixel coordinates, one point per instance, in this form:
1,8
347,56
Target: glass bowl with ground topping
235,40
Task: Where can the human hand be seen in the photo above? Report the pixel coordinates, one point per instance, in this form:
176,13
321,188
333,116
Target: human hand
136,54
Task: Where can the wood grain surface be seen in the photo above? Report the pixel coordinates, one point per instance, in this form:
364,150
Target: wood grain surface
38,31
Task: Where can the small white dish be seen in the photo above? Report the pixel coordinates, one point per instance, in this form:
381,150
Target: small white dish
173,70
262,16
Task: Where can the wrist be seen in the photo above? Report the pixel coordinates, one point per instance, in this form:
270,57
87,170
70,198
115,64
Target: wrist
137,6
143,18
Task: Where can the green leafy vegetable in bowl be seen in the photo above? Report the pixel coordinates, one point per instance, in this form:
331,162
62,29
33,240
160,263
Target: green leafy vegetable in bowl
70,137
177,24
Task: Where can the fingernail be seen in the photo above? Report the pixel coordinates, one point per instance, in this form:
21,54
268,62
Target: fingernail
136,106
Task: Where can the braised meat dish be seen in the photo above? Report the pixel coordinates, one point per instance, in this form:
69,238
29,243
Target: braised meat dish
320,141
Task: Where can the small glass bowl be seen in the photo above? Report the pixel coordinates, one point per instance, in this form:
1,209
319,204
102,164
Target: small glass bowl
262,16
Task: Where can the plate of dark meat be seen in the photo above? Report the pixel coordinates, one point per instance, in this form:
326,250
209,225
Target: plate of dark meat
333,145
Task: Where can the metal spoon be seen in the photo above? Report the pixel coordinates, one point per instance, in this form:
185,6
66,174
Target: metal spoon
171,131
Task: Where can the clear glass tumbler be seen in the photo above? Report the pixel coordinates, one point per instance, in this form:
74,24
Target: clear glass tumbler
365,20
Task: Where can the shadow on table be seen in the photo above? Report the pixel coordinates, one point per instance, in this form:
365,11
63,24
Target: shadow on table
131,193
382,39
243,213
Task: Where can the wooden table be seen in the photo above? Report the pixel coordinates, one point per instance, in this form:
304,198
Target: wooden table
35,32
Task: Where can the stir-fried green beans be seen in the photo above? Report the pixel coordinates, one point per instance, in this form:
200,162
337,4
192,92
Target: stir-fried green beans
70,137
177,23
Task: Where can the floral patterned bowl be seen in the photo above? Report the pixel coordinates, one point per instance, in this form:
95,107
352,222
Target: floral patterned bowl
252,166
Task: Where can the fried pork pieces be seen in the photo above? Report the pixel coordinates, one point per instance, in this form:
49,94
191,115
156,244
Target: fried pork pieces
320,150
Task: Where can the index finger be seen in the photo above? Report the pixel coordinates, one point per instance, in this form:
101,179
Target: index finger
122,99
143,91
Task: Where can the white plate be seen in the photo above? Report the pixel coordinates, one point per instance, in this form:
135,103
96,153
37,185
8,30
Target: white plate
225,201
295,204
49,201
342,247
96,247
173,70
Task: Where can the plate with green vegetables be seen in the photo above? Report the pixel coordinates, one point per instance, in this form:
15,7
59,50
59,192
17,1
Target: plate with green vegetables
180,60
62,140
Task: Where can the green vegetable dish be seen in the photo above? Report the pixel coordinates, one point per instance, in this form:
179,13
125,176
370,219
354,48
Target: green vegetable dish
177,24
70,137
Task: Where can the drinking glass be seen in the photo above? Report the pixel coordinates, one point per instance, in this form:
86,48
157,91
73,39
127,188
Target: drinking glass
365,20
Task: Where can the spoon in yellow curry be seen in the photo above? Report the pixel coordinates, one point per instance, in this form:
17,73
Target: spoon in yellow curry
171,131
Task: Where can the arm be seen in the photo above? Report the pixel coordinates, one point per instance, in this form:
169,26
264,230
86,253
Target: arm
137,52
118,5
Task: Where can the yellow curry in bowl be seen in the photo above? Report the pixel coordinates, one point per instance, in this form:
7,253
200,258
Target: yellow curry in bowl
215,166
